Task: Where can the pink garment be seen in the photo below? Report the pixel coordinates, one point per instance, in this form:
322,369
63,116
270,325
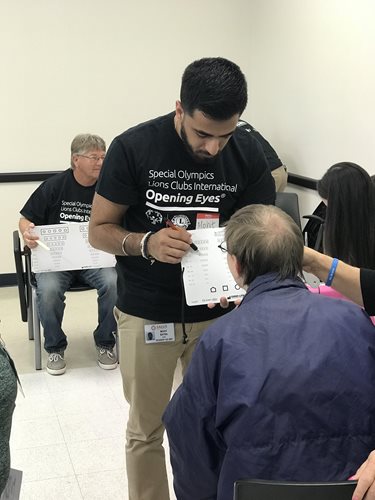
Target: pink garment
328,291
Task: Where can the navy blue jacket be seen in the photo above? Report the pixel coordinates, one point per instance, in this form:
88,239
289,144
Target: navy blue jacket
281,388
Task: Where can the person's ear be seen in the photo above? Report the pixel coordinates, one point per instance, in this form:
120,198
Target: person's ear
179,110
238,267
74,160
234,266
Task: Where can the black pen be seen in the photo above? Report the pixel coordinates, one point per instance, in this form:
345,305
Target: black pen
170,224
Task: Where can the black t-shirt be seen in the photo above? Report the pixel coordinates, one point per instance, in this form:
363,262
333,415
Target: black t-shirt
368,290
271,155
149,169
59,199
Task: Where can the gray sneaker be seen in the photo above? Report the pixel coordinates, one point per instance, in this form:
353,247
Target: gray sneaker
106,358
56,364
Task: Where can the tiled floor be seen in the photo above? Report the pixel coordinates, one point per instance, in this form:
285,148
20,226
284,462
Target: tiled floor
68,431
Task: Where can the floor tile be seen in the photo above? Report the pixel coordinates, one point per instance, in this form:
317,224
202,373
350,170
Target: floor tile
98,486
42,462
82,401
90,426
35,433
65,488
98,455
36,407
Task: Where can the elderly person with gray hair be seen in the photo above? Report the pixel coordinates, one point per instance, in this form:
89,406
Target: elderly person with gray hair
281,388
67,197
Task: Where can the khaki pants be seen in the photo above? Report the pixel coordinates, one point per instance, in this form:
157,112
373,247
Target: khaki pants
147,373
280,176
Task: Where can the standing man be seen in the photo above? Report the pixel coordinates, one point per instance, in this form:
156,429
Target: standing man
67,197
195,168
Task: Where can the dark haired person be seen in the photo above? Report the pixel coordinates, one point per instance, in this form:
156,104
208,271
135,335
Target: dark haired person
349,231
194,167
273,391
67,197
359,286
278,169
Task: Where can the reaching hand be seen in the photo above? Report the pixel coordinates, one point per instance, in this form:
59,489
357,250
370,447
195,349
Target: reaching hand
366,479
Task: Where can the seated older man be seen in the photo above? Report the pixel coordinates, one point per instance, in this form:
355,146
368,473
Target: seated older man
281,388
67,197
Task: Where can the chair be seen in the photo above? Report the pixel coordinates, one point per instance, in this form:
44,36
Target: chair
256,489
314,227
288,202
27,295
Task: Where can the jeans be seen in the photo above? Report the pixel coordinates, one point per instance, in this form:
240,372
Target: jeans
51,288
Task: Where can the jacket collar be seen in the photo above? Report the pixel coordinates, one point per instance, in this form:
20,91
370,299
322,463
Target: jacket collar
269,281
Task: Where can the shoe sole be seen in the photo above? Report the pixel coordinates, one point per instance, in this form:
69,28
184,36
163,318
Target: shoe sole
108,367
56,372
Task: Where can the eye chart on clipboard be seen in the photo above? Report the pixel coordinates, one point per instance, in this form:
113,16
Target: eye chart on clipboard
66,247
206,273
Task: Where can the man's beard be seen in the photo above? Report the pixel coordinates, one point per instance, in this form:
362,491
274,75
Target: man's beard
198,157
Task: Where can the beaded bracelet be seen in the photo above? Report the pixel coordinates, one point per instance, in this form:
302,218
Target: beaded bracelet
123,244
332,271
143,245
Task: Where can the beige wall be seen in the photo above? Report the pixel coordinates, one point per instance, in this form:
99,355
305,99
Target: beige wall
78,66
313,80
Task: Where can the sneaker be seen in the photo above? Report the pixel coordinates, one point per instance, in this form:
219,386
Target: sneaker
106,358
56,364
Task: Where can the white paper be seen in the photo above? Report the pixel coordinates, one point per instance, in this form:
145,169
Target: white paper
206,273
69,249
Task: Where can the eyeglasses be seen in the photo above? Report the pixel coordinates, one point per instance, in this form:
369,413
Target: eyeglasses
94,158
222,247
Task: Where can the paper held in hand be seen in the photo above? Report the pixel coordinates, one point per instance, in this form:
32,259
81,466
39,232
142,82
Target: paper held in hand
206,273
68,249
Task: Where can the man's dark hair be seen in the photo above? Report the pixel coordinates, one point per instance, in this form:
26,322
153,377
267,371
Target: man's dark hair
215,86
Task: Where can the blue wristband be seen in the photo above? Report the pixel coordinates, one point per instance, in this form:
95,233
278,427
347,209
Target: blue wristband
332,271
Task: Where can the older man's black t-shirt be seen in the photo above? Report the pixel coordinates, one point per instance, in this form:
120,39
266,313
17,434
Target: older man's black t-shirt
59,199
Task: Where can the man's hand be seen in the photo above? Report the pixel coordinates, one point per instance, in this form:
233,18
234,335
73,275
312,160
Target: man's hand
28,237
366,479
169,245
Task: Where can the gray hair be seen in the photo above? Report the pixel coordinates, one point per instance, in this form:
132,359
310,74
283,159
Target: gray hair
264,239
83,143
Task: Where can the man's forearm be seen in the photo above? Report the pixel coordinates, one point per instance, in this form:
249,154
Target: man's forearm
111,238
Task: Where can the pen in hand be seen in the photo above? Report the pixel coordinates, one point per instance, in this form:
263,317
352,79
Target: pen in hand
43,245
176,228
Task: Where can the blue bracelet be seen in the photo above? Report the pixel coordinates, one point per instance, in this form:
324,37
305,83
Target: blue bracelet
332,271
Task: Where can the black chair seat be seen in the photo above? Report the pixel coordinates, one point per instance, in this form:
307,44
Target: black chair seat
256,489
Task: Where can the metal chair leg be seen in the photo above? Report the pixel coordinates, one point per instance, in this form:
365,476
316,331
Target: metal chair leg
36,329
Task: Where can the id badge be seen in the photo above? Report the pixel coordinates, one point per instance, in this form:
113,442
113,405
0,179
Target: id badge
157,333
